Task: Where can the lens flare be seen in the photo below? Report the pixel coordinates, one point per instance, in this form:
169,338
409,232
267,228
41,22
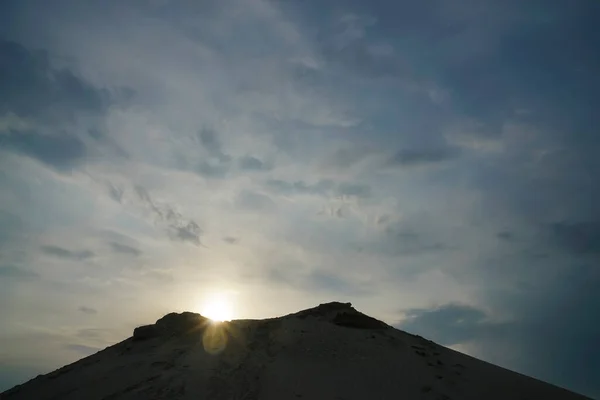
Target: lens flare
218,308
214,338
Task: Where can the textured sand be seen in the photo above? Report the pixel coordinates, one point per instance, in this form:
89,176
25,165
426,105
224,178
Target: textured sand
329,352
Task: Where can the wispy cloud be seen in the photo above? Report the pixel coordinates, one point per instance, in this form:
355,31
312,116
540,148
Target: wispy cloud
88,310
61,252
412,158
250,163
177,226
83,349
125,249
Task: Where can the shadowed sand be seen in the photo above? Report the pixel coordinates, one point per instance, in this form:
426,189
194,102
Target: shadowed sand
328,352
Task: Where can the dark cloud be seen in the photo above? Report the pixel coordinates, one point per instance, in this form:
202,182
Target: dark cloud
12,271
448,325
335,211
180,228
88,310
59,151
145,197
190,232
383,219
61,252
32,89
506,236
577,237
210,141
249,163
413,158
231,239
92,333
400,240
115,192
528,46
103,138
218,164
124,249
550,335
517,75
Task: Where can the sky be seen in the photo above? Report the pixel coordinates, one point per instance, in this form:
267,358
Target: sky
432,162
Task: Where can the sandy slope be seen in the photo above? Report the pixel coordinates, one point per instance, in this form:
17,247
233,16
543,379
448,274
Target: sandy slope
329,352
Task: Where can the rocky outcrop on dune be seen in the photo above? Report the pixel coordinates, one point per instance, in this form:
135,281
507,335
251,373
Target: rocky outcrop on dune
328,352
171,325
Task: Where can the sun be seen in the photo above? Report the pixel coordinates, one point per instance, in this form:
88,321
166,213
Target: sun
217,307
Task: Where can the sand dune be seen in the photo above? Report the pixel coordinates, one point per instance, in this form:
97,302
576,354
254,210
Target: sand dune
328,352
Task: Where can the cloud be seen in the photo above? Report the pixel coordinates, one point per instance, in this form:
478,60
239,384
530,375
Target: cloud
115,192
180,228
401,239
450,324
577,237
217,164
82,349
61,252
333,283
300,187
348,156
125,249
210,141
92,333
413,158
348,44
253,201
11,271
88,310
212,170
189,232
547,334
231,239
506,236
31,89
249,163
354,189
319,281
59,151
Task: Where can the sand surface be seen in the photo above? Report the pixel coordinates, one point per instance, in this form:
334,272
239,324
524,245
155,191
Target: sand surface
329,352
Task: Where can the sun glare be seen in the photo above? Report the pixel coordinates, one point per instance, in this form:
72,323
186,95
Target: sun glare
218,308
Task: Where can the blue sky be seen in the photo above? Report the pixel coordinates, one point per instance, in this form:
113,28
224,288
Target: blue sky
433,162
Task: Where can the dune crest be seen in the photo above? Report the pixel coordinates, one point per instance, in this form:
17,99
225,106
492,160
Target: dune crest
331,351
